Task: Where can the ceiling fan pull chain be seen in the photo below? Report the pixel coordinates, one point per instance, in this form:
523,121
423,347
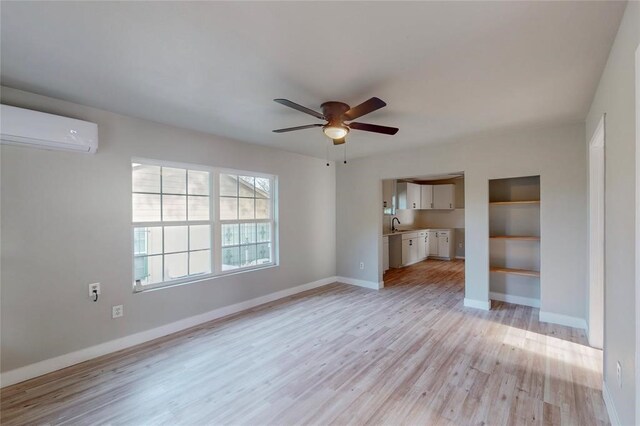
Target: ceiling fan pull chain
345,153
327,145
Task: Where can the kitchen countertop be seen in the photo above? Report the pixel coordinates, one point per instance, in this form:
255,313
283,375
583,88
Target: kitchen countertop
405,231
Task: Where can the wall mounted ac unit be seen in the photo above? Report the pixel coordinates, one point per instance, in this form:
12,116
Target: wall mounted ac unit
19,126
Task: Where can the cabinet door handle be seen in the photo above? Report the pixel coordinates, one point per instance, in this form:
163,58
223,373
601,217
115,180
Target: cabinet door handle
410,242
414,205
384,203
431,205
450,205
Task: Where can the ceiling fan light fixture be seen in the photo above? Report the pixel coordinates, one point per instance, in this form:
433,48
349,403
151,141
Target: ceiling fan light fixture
335,132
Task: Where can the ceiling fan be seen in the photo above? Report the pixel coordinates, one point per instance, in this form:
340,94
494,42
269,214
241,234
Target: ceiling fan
336,113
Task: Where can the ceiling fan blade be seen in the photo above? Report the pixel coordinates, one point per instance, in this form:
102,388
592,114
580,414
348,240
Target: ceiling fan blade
364,108
339,141
374,128
300,108
291,129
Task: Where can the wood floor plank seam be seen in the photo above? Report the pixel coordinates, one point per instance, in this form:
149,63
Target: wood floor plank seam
410,353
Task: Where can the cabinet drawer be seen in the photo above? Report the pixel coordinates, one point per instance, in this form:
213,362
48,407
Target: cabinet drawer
410,236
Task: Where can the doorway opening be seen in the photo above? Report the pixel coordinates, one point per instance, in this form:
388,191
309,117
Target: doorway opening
596,235
422,226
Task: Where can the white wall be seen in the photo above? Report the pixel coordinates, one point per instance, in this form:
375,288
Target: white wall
557,154
615,96
66,222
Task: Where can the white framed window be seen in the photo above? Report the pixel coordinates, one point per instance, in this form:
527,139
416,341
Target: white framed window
246,220
193,222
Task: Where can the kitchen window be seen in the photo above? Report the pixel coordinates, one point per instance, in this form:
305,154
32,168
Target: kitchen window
193,222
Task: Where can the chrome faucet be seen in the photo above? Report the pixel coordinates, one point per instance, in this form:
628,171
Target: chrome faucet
393,224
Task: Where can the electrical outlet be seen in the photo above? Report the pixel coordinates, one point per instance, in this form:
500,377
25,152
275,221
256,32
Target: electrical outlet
94,287
117,311
361,265
460,245
619,374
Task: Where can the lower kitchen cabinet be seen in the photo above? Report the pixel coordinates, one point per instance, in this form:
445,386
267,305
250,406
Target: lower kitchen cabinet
409,248
423,245
406,248
432,241
445,245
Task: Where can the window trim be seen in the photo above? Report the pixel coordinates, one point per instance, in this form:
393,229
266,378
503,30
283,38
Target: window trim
214,222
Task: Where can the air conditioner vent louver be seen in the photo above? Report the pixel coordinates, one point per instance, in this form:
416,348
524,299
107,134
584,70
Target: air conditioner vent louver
25,127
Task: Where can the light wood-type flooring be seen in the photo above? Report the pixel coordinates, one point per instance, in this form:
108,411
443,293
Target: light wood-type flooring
407,354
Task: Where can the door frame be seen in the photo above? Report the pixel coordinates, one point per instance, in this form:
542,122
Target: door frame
637,236
597,234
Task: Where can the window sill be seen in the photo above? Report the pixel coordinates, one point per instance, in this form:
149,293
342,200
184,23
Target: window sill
200,278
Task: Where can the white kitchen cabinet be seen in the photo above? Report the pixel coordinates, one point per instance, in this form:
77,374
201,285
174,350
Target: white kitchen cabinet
432,243
422,245
389,196
426,197
408,195
426,244
445,245
385,253
414,195
444,197
409,248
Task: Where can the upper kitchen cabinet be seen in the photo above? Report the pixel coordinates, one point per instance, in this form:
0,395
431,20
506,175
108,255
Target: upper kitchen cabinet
426,197
408,195
389,199
444,197
411,196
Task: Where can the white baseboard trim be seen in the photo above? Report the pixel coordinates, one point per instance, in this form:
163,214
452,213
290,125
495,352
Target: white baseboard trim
477,304
460,257
361,283
611,408
518,300
561,319
47,366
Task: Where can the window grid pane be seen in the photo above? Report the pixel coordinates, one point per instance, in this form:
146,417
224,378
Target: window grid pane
145,178
174,181
146,207
175,266
198,183
199,262
228,208
230,258
246,186
263,187
199,237
247,208
198,207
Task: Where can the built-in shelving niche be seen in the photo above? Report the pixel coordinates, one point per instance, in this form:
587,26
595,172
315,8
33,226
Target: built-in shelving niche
514,235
